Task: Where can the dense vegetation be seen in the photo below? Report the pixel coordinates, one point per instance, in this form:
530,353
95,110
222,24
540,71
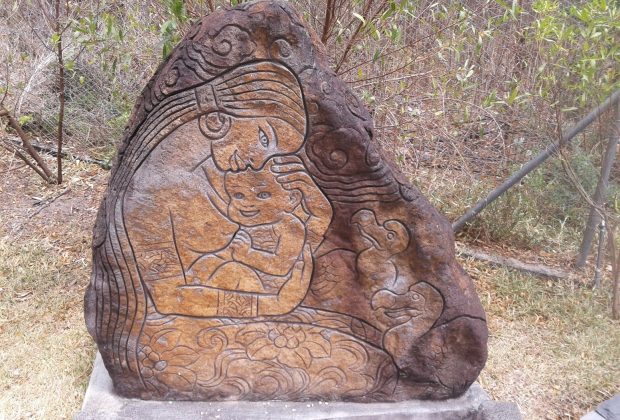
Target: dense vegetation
462,92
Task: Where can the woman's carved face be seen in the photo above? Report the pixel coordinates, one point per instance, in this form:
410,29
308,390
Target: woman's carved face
251,142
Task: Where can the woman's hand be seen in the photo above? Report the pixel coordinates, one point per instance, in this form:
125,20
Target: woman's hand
294,176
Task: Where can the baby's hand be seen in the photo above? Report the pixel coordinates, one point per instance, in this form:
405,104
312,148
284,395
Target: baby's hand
241,244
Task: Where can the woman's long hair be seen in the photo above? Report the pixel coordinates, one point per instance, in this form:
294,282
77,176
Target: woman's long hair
116,300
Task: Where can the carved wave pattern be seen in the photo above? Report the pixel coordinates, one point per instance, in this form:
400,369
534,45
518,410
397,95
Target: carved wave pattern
261,361
333,160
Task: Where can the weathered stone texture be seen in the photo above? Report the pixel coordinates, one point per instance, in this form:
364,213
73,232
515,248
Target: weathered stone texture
254,244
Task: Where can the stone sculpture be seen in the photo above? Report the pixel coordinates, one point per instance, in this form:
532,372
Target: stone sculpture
254,244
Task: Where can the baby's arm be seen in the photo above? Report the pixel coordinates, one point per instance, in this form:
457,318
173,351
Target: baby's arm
291,237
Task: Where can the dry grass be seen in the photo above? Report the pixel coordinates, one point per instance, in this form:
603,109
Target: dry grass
46,354
553,347
44,267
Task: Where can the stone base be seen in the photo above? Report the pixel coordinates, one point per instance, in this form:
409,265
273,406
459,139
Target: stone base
607,410
100,402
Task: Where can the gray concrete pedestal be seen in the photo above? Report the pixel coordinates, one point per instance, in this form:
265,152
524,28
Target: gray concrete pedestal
100,402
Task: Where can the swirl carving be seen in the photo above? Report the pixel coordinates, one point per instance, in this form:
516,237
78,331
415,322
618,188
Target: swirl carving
231,44
280,49
215,125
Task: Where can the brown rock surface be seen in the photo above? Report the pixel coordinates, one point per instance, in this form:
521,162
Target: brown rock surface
254,244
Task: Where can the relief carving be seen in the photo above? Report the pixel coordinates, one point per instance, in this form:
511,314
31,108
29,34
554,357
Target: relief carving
254,244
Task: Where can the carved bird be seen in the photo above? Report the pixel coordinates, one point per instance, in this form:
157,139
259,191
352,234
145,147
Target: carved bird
380,242
413,313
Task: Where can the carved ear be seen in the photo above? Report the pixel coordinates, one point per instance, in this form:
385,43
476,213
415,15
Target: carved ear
215,125
401,232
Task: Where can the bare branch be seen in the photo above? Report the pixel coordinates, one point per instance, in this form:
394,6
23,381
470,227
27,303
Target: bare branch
7,78
23,157
26,142
61,96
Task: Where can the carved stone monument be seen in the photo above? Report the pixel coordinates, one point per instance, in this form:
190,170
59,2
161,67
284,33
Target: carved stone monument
254,244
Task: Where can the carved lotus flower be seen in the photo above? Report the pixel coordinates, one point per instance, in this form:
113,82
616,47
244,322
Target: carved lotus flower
294,346
165,361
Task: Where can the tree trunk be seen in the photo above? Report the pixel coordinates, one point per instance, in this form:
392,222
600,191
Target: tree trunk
61,95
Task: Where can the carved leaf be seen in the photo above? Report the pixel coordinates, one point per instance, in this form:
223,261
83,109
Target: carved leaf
165,340
262,349
293,359
304,354
180,356
318,349
178,377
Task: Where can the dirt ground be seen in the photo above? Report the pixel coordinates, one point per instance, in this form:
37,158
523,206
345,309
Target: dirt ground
553,348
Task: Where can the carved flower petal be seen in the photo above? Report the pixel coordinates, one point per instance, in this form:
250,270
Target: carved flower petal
262,349
147,373
165,340
154,357
319,348
290,358
145,351
295,331
177,378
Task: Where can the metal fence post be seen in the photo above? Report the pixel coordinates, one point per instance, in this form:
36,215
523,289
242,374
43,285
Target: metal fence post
600,194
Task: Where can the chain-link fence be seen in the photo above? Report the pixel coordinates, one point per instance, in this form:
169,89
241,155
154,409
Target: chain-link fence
102,77
96,107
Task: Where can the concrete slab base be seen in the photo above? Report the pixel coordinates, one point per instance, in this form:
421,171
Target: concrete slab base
100,402
607,410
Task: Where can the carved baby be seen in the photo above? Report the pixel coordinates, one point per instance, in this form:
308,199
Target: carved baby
269,241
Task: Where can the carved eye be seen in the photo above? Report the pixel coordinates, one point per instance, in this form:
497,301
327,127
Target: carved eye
264,195
390,236
238,196
262,137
